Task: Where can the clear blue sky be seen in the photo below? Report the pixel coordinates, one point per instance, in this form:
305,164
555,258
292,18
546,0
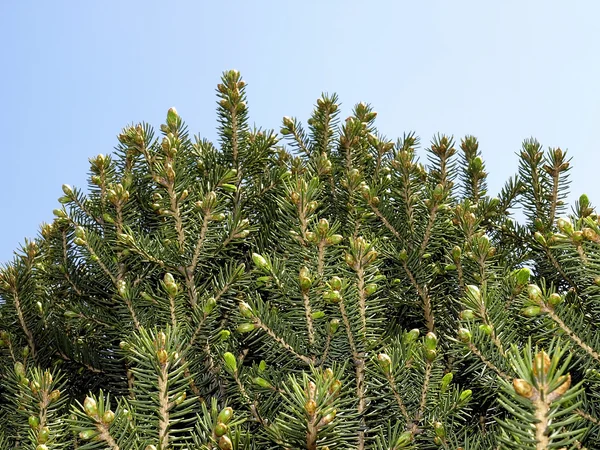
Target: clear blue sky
74,73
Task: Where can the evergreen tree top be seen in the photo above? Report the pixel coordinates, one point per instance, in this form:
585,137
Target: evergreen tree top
315,288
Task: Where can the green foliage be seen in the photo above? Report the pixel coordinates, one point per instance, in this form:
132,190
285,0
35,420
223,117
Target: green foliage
317,289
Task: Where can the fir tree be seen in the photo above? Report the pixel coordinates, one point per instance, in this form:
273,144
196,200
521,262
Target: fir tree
319,288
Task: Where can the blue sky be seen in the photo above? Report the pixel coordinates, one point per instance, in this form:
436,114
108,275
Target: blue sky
75,72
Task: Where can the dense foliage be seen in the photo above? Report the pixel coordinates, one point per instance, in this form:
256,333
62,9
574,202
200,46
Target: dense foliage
321,289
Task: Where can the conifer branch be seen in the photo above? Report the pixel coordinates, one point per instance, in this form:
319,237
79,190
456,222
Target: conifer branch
542,408
427,235
563,326
309,319
424,391
321,257
559,268
487,362
199,243
179,228
461,277
299,141
65,261
104,435
259,323
87,366
554,195
98,261
362,297
217,297
387,224
164,407
21,316
398,397
326,351
359,365
587,416
427,308
172,310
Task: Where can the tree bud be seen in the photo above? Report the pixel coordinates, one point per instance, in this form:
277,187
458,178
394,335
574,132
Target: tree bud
465,396
19,369
170,285
370,289
223,335
565,226
335,296
209,306
34,422
221,429
180,398
350,260
108,417
446,380
54,395
246,310
370,257
226,414
439,430
467,314
385,362
90,407
531,311
245,328
318,315
540,239
523,387
230,362
335,283
335,239
411,336
554,299
80,232
261,382
225,443
172,117
305,283
430,355
474,292
262,366
523,275
403,256
162,356
86,435
534,292
327,419
464,335
431,341
259,261
333,326
565,384
403,440
323,226
541,363
486,329
161,339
